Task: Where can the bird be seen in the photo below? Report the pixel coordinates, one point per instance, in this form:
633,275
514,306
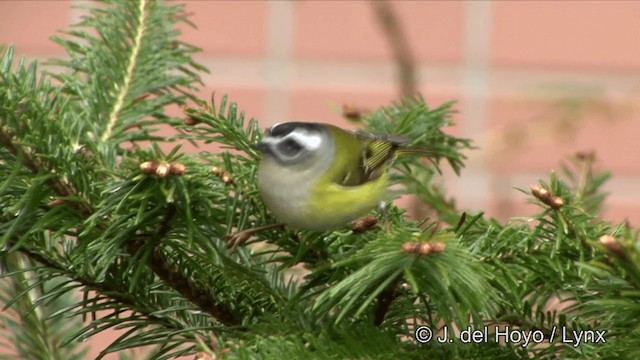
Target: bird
317,176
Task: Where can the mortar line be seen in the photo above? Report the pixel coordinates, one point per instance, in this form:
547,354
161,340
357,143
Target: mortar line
475,182
278,60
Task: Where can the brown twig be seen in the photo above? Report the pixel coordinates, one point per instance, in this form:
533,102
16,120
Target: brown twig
403,56
399,46
236,239
385,298
184,285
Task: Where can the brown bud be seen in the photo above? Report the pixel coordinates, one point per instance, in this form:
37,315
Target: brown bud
177,168
242,237
226,178
238,238
140,98
188,106
544,195
201,355
190,120
586,155
437,247
149,167
607,240
55,202
423,248
410,247
610,243
351,112
556,202
163,169
224,175
539,192
364,224
133,126
216,170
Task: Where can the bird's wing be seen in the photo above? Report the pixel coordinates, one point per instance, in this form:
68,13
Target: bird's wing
376,152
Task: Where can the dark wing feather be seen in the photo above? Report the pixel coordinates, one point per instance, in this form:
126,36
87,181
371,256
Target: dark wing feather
377,151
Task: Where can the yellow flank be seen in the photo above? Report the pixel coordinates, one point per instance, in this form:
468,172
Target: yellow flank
335,205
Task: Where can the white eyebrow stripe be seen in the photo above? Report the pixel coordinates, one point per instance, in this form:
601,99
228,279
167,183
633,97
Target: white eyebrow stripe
309,141
270,140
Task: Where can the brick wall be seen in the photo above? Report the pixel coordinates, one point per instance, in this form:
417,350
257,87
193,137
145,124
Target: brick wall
536,81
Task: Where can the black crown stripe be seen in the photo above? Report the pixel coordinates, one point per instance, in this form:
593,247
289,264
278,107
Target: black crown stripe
284,129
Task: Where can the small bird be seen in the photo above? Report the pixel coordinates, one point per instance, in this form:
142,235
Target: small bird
319,177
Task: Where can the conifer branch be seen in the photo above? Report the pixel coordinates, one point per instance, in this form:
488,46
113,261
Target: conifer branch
175,279
123,90
27,323
148,234
105,288
61,188
159,264
92,285
190,290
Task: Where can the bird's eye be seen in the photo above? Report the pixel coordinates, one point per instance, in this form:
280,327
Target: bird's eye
289,147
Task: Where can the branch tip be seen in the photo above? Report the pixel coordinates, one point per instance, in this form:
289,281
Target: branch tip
547,197
611,244
364,224
423,248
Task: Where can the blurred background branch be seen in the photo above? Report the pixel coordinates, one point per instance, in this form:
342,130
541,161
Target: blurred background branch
396,37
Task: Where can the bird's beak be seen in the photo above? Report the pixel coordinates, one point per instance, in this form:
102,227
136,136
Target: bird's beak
261,146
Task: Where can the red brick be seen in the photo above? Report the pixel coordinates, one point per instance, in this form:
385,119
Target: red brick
536,135
29,25
340,29
566,34
616,212
227,27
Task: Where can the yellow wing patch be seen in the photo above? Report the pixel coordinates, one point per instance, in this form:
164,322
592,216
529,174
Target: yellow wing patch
369,160
375,153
